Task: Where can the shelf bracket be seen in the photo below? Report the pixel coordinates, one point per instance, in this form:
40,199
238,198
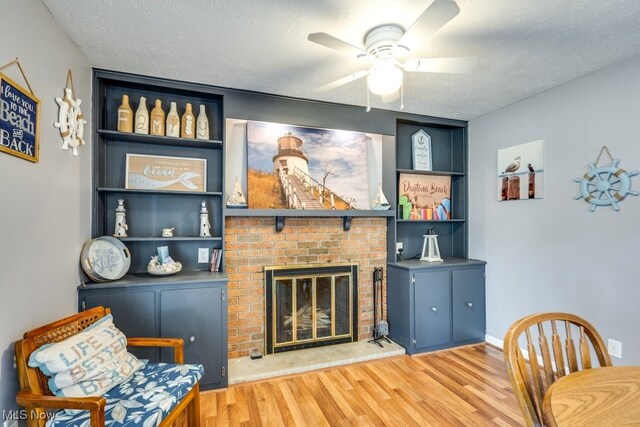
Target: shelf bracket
346,223
279,223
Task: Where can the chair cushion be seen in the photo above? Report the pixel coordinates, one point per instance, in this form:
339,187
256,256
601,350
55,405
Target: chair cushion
145,399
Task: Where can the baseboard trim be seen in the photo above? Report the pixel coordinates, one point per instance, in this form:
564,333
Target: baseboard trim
494,341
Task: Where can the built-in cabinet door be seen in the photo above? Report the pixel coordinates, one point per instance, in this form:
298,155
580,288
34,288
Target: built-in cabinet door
432,307
133,313
195,315
468,304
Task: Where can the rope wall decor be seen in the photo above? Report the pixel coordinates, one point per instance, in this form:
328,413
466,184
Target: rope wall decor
605,185
70,118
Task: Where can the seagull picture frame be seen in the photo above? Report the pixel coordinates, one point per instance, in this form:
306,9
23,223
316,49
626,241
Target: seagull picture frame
520,172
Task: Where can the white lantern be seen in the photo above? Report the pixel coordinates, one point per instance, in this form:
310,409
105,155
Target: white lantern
430,248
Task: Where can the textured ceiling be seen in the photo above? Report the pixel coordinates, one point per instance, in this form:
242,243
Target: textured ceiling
524,46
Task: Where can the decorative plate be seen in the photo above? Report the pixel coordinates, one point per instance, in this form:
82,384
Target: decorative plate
162,272
105,258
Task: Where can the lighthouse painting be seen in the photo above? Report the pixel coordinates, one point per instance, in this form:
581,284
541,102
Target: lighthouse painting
295,167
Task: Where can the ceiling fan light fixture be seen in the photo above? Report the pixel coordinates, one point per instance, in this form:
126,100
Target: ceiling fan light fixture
384,79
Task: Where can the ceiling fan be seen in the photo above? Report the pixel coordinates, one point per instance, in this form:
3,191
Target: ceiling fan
385,47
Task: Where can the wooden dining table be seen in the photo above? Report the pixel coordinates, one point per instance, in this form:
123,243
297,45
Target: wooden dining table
607,396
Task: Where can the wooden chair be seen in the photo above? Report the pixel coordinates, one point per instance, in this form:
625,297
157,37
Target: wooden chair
548,360
35,394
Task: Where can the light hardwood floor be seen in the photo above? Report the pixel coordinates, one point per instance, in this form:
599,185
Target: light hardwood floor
466,386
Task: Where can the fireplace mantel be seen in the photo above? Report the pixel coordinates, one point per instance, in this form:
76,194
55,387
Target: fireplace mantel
281,214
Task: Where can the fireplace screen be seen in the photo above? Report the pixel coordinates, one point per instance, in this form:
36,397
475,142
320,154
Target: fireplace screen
310,306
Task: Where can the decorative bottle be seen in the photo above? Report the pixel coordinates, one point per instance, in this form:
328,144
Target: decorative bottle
188,123
202,125
125,115
142,117
173,121
157,119
121,222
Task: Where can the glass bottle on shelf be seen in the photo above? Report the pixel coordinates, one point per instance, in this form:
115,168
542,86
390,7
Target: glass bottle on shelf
173,121
125,116
202,125
188,123
157,119
142,117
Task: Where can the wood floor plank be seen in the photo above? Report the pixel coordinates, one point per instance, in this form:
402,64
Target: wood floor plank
465,386
359,405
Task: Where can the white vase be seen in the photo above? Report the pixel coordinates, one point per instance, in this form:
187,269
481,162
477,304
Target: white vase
142,117
202,125
173,121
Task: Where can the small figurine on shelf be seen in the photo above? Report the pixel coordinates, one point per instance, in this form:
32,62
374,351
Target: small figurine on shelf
173,121
163,264
125,116
142,117
157,119
121,222
237,200
205,225
202,125
188,123
380,202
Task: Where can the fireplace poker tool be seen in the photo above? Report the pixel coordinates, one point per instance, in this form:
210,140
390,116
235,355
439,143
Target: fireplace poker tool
381,329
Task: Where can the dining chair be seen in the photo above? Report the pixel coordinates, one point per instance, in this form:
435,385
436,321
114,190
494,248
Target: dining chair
534,362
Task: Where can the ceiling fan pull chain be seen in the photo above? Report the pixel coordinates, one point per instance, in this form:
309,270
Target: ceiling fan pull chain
402,95
368,104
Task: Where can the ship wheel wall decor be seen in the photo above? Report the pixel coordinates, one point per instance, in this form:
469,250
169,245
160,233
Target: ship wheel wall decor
605,185
70,118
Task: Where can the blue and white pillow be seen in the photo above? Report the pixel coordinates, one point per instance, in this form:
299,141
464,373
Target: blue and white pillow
89,363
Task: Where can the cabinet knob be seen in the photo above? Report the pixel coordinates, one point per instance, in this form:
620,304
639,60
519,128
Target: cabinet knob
434,309
192,338
469,304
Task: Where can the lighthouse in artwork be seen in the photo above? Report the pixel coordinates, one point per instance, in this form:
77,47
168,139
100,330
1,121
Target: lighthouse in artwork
290,156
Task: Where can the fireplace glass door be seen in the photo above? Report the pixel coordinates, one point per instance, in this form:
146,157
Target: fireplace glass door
313,306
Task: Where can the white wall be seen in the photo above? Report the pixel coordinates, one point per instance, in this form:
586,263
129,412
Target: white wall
44,207
554,254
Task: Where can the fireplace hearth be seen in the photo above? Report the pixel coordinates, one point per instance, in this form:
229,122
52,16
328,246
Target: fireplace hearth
310,306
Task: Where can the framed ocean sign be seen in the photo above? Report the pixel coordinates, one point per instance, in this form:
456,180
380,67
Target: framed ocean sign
147,172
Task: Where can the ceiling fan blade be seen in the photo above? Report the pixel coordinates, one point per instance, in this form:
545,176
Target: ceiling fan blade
390,97
432,19
331,42
342,81
441,65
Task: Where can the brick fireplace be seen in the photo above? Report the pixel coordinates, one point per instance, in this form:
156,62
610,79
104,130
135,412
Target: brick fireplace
253,243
